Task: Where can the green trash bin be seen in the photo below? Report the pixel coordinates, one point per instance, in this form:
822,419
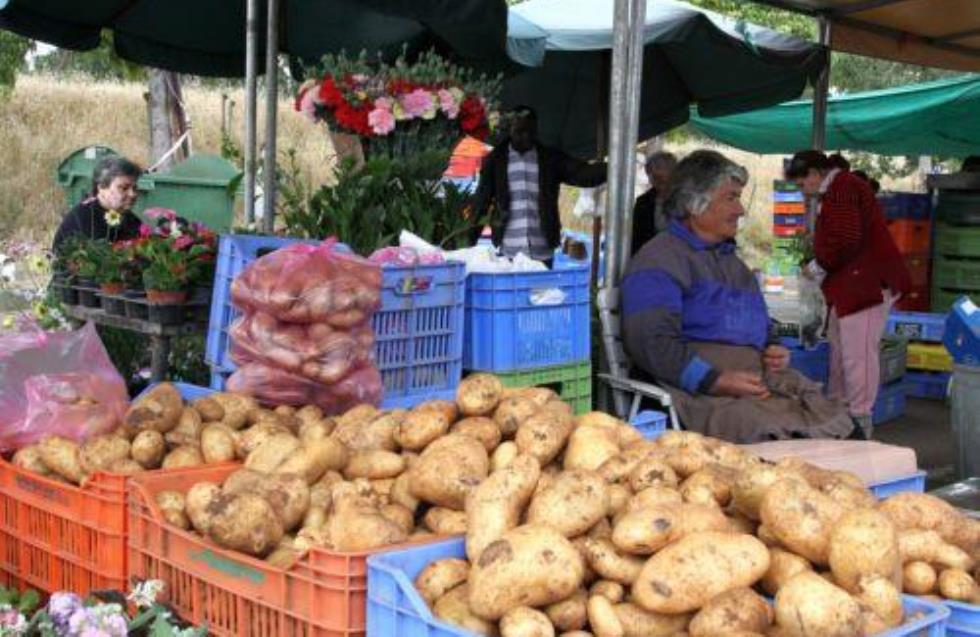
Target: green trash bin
198,189
74,173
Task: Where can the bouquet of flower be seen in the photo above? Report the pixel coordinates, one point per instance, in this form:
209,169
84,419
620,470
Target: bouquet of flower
431,102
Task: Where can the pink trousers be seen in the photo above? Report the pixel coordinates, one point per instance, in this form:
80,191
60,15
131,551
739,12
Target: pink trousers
855,350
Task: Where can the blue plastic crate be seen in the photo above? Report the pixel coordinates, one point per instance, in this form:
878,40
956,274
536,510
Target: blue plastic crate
418,331
505,331
652,424
906,205
890,403
917,326
812,363
962,332
927,385
964,619
914,483
787,197
789,220
395,608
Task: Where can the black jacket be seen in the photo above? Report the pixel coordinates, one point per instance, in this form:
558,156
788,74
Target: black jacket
554,168
88,220
644,220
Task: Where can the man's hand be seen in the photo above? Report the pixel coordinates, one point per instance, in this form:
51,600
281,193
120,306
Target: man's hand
740,385
775,358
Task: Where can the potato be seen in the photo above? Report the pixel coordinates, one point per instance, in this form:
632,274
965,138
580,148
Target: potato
863,542
574,503
311,430
530,565
272,452
921,511
683,576
646,531
619,497
217,443
420,427
525,622
148,448
209,409
236,408
767,537
479,394
98,453
29,458
544,434
453,608
441,576
783,565
752,484
603,558
710,485
738,609
503,455
957,585
881,596
809,605
375,430
316,516
637,622
590,445
918,578
540,396
928,546
448,470
172,505
188,429
288,494
248,440
650,472
125,467
738,523
186,456
481,428
284,557
603,618
400,516
314,458
849,496
495,506
245,523
400,494
445,521
801,518
569,613
159,409
613,591
61,456
374,464
355,527
652,497
197,505
512,412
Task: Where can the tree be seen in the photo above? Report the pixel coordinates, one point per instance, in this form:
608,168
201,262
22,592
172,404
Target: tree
100,63
13,48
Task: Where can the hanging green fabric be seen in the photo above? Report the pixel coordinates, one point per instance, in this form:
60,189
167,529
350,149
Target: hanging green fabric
937,118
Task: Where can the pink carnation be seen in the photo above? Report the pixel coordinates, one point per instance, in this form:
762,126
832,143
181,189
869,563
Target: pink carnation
448,103
419,103
145,230
156,213
183,241
380,119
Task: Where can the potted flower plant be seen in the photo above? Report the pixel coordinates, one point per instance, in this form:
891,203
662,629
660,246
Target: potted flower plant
165,277
132,264
110,279
65,270
88,259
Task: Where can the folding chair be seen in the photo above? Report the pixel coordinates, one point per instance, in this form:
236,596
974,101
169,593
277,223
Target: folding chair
618,379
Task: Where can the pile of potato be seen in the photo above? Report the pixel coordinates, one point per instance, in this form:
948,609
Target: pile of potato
158,431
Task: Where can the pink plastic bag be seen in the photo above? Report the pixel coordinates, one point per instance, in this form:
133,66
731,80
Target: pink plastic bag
60,383
273,386
311,284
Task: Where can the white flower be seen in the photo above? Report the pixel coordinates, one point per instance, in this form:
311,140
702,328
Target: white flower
145,593
7,271
113,218
175,229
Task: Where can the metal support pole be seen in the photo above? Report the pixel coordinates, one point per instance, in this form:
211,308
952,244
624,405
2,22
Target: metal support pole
634,79
617,139
251,55
271,112
821,90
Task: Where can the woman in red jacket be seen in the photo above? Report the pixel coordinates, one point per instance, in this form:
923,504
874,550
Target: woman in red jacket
863,275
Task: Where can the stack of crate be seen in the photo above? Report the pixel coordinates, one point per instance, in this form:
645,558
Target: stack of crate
929,364
956,270
909,218
788,222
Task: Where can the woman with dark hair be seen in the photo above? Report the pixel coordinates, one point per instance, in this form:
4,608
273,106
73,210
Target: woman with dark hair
107,214
863,275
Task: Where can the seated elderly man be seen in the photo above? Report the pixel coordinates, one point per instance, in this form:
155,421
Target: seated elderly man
695,320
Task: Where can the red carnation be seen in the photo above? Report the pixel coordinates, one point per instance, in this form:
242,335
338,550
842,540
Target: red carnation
330,95
471,114
354,118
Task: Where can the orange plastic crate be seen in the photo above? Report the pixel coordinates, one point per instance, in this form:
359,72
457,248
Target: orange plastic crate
911,237
918,265
322,595
56,536
789,208
787,231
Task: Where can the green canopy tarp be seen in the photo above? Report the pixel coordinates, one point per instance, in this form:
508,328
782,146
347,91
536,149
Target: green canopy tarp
937,118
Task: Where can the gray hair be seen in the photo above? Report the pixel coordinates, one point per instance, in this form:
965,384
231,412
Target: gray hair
696,179
662,159
110,167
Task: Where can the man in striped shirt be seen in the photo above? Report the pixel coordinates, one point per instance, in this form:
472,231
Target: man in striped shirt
519,186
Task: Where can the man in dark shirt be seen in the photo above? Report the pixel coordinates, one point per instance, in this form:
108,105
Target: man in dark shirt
107,214
649,218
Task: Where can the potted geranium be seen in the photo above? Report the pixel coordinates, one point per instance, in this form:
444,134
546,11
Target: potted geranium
165,277
132,264
110,279
65,269
88,258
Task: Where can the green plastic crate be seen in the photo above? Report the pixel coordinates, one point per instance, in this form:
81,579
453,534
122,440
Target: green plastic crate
572,382
961,274
943,298
956,241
